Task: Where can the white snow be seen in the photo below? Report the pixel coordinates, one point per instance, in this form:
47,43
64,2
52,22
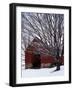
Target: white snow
42,72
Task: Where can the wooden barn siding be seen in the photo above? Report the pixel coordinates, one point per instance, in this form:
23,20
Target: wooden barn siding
28,59
45,60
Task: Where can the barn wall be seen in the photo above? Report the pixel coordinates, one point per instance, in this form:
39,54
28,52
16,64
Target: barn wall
62,60
46,60
28,59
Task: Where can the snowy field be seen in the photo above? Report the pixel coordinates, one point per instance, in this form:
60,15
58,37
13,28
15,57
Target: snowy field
42,72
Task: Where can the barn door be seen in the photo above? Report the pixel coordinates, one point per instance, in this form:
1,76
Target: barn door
36,61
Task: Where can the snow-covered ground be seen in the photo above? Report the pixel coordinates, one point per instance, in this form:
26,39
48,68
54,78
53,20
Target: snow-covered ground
42,72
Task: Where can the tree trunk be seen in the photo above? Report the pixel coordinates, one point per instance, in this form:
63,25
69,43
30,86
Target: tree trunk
62,51
58,66
58,61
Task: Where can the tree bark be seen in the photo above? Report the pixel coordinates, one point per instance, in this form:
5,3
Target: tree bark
58,65
58,61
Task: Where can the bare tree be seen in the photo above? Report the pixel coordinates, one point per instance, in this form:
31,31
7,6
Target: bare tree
49,28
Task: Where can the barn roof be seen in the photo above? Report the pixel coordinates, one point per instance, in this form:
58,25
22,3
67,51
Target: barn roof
37,46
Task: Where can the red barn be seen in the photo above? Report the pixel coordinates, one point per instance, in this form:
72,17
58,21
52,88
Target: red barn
36,56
